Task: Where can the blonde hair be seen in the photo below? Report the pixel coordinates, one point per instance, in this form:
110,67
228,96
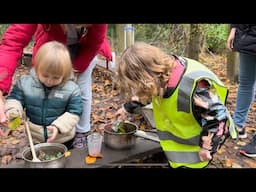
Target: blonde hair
143,70
53,58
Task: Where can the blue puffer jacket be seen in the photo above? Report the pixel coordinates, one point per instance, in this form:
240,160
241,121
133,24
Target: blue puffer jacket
44,105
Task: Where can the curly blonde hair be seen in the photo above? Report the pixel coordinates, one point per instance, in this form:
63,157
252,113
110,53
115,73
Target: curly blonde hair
143,70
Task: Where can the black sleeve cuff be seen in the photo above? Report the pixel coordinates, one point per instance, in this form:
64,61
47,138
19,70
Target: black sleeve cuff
132,106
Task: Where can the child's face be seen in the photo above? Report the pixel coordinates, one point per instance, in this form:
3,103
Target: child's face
49,80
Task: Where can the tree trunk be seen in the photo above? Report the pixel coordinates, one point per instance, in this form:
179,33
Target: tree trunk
195,41
120,37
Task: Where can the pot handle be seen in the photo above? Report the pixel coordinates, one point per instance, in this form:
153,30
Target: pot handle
144,135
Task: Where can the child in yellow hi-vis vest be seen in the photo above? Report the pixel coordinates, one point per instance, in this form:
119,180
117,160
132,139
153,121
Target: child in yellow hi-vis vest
188,102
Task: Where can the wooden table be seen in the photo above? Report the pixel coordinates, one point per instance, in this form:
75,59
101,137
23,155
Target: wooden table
114,157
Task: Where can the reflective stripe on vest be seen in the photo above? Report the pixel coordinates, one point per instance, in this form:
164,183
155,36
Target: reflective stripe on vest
165,135
183,157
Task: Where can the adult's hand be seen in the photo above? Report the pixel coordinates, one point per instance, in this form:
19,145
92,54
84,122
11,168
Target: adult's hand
120,114
230,40
204,155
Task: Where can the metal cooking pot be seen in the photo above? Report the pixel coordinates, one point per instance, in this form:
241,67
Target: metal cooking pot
48,148
120,140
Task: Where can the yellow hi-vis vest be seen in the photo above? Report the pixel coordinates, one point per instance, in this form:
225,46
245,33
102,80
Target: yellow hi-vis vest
179,131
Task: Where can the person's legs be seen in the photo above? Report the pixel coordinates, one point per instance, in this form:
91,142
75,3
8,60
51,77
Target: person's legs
245,93
249,149
84,81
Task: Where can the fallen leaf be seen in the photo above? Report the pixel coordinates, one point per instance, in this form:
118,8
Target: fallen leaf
235,165
95,101
107,82
142,126
15,121
4,141
251,129
95,117
110,115
67,153
251,162
15,141
7,132
241,143
228,162
6,159
90,160
221,150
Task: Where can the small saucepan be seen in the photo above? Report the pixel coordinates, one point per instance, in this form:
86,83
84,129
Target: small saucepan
117,140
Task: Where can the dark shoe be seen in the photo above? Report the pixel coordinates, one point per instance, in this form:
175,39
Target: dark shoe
241,133
80,140
249,149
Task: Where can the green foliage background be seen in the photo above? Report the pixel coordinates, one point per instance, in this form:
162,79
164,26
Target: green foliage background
3,27
216,36
174,37
170,37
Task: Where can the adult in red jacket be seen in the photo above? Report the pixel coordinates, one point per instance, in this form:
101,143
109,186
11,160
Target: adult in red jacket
85,42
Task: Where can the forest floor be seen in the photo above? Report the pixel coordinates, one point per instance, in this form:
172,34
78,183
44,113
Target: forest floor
107,100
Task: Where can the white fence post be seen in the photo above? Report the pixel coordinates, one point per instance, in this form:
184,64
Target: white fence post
128,35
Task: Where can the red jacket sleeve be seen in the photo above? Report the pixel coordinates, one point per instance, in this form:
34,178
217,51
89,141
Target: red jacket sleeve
105,50
90,46
14,40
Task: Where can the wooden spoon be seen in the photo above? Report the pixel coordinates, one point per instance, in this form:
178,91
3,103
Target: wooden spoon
35,159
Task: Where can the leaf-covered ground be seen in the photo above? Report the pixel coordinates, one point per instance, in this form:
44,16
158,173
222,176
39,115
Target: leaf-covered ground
106,101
